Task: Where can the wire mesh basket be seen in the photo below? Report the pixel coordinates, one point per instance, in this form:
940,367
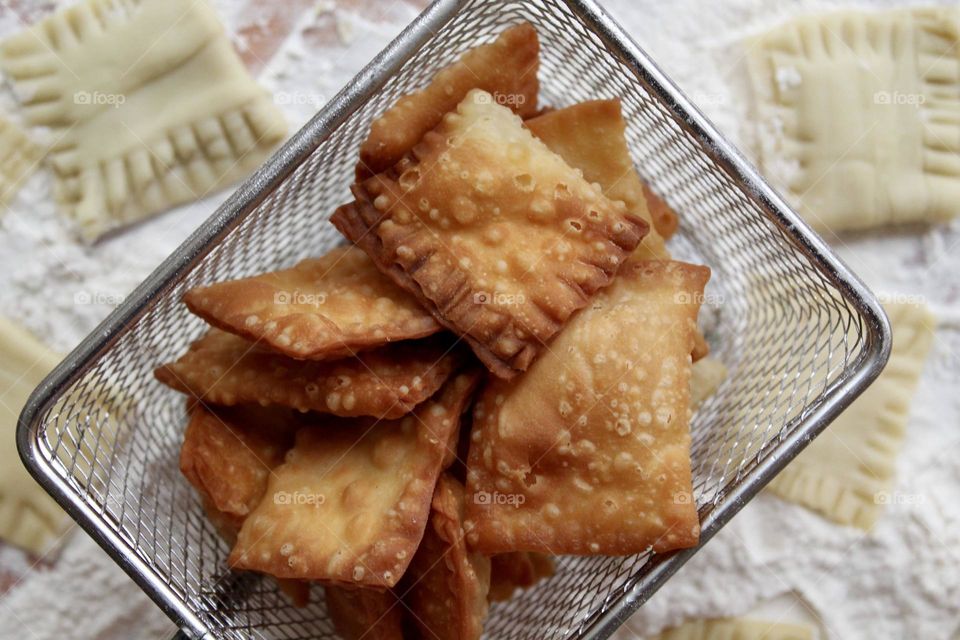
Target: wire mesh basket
801,336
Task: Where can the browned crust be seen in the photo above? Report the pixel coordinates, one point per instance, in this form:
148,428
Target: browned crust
508,66
366,614
388,382
450,583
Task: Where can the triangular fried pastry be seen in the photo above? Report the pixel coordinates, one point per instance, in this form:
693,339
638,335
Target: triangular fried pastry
506,69
591,136
365,614
492,232
321,309
665,219
589,451
449,583
388,382
350,503
517,570
228,454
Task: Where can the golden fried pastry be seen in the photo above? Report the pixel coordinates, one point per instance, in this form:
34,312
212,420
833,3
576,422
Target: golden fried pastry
492,232
228,454
365,614
589,451
665,219
388,382
323,308
506,69
350,503
449,583
517,570
591,136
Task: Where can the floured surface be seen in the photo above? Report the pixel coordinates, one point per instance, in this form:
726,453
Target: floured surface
60,290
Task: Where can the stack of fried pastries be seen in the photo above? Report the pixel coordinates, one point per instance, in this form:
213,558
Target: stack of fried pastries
494,371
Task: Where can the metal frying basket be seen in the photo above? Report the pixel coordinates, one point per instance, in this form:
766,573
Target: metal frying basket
801,335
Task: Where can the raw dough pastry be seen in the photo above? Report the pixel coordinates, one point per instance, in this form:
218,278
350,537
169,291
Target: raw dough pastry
847,471
365,614
736,629
591,136
860,115
492,232
589,451
517,570
19,156
388,382
29,517
350,503
322,308
449,583
149,104
505,68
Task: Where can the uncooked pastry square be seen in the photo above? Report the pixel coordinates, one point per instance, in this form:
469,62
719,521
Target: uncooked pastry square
148,103
29,518
847,471
19,156
588,452
860,115
492,232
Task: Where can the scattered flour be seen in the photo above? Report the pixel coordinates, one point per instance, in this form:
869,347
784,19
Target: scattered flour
900,581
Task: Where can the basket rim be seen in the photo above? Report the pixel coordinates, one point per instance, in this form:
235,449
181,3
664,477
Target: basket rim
599,624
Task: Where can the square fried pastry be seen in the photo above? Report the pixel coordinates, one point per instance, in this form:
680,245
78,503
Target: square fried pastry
323,308
365,614
350,503
589,451
228,454
448,583
591,136
387,382
492,232
506,69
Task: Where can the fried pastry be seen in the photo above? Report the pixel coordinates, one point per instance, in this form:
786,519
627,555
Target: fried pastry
591,137
506,69
517,570
492,232
665,219
350,503
323,308
365,614
449,583
589,451
228,454
388,382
